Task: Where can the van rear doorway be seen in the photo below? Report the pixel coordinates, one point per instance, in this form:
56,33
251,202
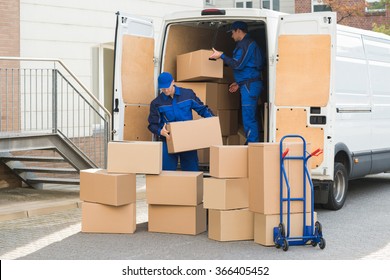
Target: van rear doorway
185,37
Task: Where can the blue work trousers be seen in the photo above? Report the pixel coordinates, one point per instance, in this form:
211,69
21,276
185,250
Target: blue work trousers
188,160
250,94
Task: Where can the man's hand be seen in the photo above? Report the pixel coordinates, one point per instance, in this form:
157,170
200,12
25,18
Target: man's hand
164,132
234,87
216,54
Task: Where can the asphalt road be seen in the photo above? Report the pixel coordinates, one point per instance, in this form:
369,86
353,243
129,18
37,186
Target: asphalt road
360,230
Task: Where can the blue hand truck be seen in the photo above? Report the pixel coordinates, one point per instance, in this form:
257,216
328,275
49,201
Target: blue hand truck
311,234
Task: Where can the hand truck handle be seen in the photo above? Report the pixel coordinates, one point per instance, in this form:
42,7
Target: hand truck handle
285,153
317,152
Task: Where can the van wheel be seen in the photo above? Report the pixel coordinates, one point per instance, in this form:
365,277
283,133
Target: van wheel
338,190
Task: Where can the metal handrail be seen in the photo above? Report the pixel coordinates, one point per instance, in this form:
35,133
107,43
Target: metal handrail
54,87
74,77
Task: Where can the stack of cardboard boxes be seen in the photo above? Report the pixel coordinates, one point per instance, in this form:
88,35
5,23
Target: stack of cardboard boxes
175,202
210,81
108,201
109,196
242,194
226,194
264,190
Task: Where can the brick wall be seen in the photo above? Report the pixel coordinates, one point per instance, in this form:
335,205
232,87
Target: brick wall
9,46
365,22
302,6
10,28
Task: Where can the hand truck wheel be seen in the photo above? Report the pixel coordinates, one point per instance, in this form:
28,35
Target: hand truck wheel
322,243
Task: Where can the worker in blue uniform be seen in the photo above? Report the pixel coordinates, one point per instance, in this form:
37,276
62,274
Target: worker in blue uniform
171,105
247,63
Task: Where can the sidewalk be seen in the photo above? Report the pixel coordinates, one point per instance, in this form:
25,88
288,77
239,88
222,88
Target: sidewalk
17,203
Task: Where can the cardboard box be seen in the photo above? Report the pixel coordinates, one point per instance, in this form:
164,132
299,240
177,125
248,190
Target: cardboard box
215,96
100,218
204,155
193,135
231,225
204,91
232,140
196,66
175,188
229,121
177,219
229,161
143,157
241,135
264,226
225,194
264,178
97,185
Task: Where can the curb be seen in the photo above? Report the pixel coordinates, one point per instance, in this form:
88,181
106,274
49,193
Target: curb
37,208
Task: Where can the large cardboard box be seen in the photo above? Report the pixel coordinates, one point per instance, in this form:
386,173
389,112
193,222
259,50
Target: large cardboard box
177,219
97,185
231,225
225,194
175,188
204,91
101,218
264,226
204,155
229,161
232,140
196,66
215,96
143,157
229,121
193,135
264,178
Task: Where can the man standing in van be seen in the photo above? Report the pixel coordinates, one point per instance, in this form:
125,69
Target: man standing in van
247,63
171,105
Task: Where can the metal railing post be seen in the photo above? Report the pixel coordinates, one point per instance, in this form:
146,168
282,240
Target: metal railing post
54,101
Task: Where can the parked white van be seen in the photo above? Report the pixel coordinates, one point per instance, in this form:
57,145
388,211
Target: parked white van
326,82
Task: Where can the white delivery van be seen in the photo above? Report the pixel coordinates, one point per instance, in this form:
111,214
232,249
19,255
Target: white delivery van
326,82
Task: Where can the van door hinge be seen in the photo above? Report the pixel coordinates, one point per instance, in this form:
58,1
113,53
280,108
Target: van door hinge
272,59
328,20
155,60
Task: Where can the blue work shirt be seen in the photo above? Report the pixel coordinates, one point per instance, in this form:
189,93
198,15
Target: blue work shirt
247,61
165,109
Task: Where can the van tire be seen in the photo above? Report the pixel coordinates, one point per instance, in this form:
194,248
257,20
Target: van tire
338,190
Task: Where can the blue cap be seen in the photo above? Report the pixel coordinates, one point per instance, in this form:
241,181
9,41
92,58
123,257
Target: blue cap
239,25
164,80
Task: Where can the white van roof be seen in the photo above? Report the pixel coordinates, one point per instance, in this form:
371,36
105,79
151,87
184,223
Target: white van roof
230,13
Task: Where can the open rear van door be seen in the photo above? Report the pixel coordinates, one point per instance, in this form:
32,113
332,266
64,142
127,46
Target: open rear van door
303,89
133,77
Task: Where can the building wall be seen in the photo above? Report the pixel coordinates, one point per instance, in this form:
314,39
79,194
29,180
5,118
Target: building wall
69,29
302,6
286,6
9,28
365,21
9,46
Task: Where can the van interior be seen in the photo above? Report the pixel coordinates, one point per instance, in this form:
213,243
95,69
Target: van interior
187,37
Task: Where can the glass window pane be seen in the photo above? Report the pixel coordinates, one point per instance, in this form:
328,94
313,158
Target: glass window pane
275,5
249,4
321,8
266,4
240,5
